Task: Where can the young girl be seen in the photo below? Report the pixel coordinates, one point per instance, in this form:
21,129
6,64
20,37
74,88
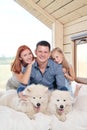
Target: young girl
58,56
21,67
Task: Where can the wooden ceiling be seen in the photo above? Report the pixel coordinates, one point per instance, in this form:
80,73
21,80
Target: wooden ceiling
47,11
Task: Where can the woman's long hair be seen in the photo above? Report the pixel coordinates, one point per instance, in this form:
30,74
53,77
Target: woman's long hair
16,65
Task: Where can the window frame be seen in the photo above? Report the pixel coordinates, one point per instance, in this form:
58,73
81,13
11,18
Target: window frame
76,42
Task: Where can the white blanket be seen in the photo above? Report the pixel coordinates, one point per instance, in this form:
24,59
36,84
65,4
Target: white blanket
76,119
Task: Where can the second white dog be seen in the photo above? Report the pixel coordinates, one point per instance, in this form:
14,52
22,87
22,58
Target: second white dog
60,104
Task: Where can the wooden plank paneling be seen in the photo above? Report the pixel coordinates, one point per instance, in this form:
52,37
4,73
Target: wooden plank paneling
69,8
67,39
67,47
69,17
44,3
69,58
56,5
65,11
82,19
75,28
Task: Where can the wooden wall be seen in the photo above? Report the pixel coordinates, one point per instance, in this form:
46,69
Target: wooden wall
71,29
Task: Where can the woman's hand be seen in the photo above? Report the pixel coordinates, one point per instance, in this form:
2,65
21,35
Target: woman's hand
30,62
22,96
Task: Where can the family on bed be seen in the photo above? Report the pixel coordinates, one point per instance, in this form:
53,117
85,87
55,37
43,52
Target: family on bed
31,74
49,68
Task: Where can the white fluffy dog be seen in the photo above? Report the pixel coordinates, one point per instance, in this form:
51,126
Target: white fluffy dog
60,104
37,100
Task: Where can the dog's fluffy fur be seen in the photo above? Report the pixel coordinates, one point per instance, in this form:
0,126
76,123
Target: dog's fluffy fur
60,104
37,100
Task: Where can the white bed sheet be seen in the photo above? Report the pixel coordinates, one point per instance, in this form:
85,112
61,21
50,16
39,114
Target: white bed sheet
76,119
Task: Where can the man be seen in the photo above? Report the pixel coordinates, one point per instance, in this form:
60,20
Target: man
45,71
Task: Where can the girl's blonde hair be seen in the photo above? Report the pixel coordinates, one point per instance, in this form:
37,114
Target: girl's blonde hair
65,63
16,65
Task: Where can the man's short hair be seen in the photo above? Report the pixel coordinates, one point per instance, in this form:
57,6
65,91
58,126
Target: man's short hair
43,43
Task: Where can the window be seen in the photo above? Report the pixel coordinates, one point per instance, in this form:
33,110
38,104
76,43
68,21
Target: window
81,59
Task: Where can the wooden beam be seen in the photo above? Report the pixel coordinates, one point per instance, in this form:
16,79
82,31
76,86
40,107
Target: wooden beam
57,36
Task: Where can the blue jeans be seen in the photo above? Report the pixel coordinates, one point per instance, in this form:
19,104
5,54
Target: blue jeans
21,87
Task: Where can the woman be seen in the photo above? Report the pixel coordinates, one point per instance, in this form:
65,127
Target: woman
21,67
58,56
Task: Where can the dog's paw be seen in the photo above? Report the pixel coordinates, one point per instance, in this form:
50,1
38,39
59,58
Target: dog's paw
32,117
62,118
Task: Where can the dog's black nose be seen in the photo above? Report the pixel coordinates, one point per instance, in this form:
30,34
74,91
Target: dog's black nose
61,106
38,104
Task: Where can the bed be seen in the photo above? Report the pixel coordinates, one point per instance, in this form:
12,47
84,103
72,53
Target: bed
76,119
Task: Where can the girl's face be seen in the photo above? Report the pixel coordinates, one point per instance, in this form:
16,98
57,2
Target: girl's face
26,56
57,57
